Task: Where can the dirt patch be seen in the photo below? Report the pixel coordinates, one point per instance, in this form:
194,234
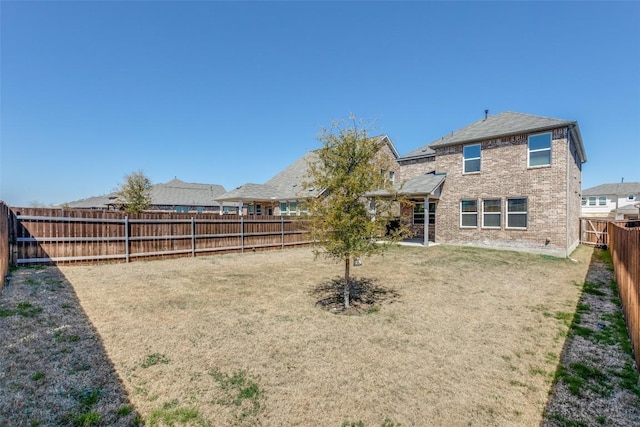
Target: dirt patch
365,296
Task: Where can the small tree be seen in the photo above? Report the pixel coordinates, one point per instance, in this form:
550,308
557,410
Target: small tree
341,220
135,193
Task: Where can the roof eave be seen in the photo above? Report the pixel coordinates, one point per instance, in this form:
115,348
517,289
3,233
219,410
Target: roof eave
435,145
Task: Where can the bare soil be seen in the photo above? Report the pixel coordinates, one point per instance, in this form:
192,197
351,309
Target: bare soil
452,336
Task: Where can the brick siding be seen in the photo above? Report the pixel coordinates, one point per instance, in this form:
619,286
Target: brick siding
552,192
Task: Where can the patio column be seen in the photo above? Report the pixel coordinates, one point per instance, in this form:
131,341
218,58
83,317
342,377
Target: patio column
426,221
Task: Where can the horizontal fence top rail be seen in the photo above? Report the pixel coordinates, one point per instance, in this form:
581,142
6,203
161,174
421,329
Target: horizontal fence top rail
61,235
158,221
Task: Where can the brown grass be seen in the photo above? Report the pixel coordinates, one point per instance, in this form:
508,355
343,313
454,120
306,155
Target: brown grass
473,337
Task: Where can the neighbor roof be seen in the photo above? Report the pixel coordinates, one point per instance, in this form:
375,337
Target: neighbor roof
97,202
501,125
286,185
289,183
250,192
172,193
619,189
176,192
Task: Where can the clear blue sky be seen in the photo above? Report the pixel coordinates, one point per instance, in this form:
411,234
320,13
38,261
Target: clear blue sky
228,93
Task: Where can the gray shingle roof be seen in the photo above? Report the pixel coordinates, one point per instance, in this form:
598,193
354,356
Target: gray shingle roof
421,185
619,189
424,151
286,185
172,193
176,192
250,192
97,202
503,124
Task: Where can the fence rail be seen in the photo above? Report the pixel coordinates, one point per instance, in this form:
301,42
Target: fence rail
625,254
65,236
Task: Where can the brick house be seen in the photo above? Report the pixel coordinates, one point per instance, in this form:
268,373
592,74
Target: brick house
512,181
508,181
284,195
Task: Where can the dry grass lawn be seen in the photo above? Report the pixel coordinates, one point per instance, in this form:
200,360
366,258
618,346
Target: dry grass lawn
473,339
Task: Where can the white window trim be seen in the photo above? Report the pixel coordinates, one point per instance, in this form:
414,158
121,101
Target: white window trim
593,199
529,151
468,213
492,213
600,200
413,218
464,160
516,212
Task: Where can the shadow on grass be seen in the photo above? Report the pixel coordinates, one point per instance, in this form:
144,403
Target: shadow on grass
596,382
365,296
55,370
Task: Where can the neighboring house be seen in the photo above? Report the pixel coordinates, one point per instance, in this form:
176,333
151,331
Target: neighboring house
615,201
512,180
284,194
175,195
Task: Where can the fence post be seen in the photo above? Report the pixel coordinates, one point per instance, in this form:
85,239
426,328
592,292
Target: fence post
193,237
126,237
241,234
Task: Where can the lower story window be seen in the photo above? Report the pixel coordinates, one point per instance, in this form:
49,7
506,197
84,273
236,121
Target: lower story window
468,213
492,213
418,213
432,213
517,213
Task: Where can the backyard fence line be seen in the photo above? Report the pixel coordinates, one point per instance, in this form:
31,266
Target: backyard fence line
624,245
5,214
594,231
68,236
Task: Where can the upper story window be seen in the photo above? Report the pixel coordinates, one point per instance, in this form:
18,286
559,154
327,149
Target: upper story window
392,176
539,150
471,158
594,201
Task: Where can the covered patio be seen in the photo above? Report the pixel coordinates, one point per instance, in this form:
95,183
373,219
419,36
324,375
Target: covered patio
423,193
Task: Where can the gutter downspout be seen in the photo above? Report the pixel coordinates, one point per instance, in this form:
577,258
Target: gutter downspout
567,192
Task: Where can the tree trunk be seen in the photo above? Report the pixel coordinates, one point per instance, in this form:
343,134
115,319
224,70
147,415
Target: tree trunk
347,281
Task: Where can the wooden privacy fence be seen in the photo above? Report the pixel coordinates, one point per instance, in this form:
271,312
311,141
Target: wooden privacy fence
625,254
4,243
62,236
593,231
